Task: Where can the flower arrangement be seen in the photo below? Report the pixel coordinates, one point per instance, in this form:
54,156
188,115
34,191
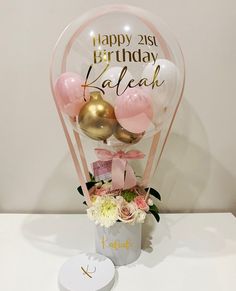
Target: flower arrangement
128,206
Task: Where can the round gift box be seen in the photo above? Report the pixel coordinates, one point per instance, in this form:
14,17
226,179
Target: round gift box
121,242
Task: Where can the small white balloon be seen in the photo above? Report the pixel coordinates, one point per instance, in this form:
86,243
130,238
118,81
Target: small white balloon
168,77
113,74
163,95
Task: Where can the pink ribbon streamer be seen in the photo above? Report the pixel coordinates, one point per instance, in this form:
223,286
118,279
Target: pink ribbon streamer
120,166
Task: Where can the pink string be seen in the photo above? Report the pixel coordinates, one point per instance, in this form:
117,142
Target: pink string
71,147
82,155
150,159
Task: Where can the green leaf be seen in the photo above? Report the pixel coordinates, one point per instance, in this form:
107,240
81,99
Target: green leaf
91,177
90,184
156,215
155,212
80,190
154,193
154,208
128,195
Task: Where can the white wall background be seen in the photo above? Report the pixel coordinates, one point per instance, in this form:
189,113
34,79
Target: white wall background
198,169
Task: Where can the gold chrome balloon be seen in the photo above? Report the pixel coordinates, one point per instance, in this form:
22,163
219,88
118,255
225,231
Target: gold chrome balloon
97,118
125,136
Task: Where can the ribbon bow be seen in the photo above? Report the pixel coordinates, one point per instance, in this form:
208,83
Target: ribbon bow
120,166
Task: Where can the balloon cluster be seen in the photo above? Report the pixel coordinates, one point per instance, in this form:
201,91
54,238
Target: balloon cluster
126,116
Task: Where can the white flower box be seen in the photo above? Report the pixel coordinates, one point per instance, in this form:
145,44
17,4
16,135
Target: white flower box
121,242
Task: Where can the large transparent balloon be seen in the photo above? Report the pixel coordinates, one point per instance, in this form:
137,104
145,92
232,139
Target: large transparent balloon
117,75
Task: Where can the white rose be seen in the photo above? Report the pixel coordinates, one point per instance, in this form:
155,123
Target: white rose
140,216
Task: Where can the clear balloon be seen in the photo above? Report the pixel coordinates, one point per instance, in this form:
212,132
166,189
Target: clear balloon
131,58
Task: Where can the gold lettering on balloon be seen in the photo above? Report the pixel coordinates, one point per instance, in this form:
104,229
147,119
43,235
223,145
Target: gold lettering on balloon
111,48
112,40
130,84
124,55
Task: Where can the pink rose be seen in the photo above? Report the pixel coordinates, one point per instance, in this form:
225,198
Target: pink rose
103,189
101,192
141,203
127,211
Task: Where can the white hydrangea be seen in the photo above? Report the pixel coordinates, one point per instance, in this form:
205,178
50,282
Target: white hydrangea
104,211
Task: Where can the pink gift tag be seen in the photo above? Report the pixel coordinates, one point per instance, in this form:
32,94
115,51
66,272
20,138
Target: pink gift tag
102,170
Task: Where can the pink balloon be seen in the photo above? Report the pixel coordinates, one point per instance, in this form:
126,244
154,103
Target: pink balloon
133,110
69,93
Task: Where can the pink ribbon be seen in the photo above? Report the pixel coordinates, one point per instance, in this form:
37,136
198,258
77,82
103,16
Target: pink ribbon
120,166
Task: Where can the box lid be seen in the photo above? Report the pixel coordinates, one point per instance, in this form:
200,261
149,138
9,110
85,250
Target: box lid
87,272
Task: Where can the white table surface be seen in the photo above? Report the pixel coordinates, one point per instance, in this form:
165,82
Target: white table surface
194,252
